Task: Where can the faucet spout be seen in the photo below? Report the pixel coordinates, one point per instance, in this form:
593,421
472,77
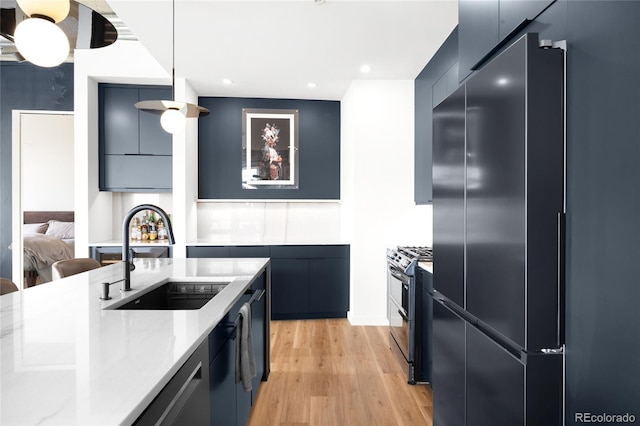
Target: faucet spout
127,260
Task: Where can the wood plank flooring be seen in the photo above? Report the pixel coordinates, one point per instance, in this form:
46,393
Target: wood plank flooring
327,372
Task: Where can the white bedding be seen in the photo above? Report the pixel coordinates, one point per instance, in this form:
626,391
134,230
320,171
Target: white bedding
41,251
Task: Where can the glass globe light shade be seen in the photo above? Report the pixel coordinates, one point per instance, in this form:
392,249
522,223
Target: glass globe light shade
41,42
173,121
54,9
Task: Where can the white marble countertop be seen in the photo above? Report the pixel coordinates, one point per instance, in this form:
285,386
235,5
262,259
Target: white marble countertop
66,360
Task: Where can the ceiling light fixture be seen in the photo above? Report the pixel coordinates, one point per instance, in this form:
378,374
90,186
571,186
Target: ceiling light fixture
226,81
312,85
365,68
32,25
173,114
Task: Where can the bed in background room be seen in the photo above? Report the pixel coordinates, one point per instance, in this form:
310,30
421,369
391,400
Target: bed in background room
47,238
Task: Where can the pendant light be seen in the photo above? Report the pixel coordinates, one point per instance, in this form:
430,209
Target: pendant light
173,114
33,26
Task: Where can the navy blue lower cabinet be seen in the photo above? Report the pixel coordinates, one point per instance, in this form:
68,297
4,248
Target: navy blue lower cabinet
289,288
207,251
328,294
230,403
306,281
222,384
249,251
259,331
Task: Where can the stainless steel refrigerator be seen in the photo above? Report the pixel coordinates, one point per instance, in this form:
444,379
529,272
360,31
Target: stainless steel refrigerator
498,210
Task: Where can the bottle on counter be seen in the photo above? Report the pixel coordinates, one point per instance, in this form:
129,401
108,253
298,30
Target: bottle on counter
133,230
144,230
162,232
153,232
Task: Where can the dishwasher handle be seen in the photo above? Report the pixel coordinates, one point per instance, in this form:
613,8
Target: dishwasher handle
181,397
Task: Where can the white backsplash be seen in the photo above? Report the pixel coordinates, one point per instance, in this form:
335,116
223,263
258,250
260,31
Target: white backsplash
266,222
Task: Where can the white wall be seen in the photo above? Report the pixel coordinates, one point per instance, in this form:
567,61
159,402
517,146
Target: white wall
47,162
122,62
378,211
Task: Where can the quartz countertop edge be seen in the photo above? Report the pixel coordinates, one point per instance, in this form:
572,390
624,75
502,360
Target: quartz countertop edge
427,266
67,358
232,241
228,241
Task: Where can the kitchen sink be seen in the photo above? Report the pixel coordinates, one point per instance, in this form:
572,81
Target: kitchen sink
176,295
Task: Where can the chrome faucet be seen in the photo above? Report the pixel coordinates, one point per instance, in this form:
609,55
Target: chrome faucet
127,254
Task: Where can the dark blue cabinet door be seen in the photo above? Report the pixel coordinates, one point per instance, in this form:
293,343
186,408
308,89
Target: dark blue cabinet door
120,120
144,173
329,286
207,251
443,65
290,287
249,251
243,405
222,385
153,139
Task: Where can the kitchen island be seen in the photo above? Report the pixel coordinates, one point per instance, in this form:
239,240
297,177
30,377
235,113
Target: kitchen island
69,358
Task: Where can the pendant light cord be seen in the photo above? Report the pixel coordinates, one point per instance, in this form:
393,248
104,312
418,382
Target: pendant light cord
173,51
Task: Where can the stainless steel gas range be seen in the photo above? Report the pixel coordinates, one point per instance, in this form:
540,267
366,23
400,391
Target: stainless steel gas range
404,307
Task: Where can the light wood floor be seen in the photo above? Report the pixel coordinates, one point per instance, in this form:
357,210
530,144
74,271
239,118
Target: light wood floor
327,372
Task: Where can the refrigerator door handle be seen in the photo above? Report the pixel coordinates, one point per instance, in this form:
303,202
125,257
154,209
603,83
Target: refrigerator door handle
561,226
404,317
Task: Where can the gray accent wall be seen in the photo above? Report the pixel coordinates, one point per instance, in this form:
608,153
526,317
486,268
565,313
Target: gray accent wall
24,86
220,149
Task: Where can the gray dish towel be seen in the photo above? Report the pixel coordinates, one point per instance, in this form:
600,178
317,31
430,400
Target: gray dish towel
245,358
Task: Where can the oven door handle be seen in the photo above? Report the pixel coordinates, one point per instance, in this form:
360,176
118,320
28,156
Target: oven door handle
404,317
399,275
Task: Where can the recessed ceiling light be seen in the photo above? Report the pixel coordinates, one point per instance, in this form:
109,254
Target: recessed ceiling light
365,68
226,81
311,85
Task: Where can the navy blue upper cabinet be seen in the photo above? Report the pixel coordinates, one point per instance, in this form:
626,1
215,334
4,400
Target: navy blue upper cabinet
436,81
135,152
120,122
486,25
153,139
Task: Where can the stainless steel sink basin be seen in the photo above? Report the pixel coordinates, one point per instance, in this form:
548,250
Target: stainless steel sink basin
176,295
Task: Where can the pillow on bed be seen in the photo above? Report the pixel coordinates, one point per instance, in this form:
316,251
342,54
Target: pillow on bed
34,228
62,230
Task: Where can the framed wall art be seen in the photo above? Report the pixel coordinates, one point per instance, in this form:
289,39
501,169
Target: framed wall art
270,148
